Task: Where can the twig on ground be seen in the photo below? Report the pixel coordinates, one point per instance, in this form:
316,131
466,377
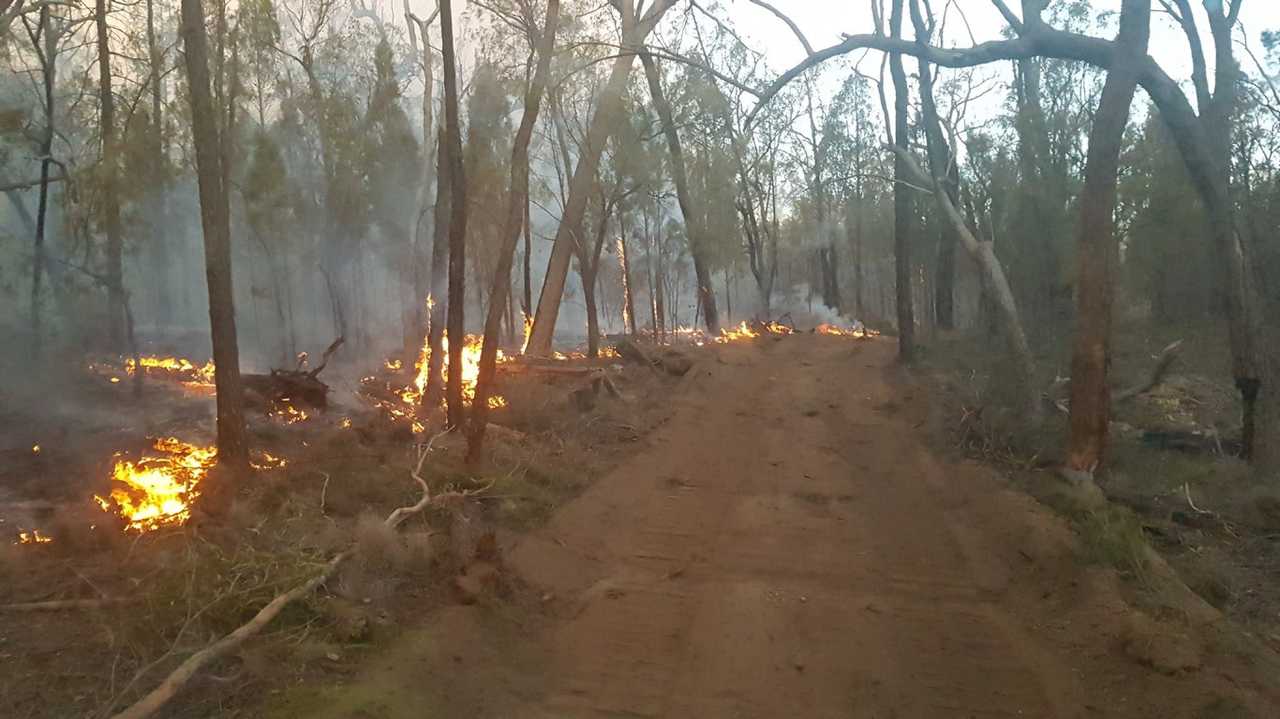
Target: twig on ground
172,684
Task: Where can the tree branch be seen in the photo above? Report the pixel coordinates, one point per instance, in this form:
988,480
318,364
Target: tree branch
795,29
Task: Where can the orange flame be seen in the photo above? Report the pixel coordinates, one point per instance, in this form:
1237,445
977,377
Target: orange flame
157,490
33,537
178,368
471,348
743,331
287,413
859,331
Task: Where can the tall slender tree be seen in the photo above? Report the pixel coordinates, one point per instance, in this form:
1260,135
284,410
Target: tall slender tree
215,219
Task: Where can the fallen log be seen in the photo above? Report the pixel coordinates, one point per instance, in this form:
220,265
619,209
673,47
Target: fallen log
299,386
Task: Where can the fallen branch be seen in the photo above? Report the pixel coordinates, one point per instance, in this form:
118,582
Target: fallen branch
1164,361
172,684
1158,372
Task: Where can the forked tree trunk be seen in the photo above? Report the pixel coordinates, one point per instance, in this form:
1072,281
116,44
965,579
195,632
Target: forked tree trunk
1098,252
215,218
901,198
517,214
694,228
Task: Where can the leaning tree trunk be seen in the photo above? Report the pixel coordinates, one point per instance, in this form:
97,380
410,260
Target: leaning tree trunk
1098,252
215,219
457,221
608,113
695,229
994,280
517,214
901,198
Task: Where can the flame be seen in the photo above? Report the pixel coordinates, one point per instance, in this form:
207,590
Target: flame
33,537
857,331
394,365
345,423
471,348
745,331
178,368
157,490
35,449
115,380
742,332
287,413
528,330
266,460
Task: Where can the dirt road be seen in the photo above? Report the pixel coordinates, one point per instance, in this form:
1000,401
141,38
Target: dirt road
787,546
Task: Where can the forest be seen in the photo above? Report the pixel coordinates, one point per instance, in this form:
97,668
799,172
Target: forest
361,358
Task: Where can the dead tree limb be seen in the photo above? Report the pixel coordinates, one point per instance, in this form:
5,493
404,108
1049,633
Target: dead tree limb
172,684
1163,362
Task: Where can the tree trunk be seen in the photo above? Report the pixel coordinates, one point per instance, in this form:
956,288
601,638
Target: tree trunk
944,297
437,302
526,306
1099,252
49,67
517,214
609,109
415,315
694,228
110,196
628,292
457,221
901,198
157,204
215,218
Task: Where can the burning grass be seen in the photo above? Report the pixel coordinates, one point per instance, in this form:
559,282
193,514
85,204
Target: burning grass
191,375
157,490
